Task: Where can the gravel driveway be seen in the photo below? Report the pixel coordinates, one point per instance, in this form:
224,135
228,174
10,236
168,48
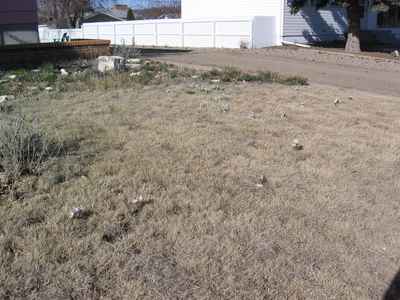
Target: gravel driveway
376,75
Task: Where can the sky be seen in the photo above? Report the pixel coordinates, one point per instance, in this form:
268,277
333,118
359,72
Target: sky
132,3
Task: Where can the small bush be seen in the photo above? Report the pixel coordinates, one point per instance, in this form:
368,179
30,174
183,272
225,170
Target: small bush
231,74
23,148
126,51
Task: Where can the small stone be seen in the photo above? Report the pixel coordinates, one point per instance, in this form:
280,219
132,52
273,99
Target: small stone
134,61
195,77
396,53
3,179
110,63
351,98
134,67
12,77
135,74
296,145
225,108
48,89
140,199
6,98
216,81
79,213
283,116
262,181
252,115
64,72
337,101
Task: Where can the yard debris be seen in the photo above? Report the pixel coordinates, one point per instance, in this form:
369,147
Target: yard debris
64,72
262,181
79,213
337,101
396,53
110,63
296,145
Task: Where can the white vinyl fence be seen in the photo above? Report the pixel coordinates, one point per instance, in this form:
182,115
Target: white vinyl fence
254,32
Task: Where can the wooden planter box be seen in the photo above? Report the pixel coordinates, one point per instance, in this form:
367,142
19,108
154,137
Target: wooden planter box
35,54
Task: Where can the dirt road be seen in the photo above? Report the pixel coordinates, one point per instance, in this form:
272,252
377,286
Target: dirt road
380,76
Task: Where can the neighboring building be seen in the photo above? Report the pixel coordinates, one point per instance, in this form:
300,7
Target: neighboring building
118,12
18,22
308,26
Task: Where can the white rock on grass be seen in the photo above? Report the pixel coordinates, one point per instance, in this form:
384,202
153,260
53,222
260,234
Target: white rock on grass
6,98
135,74
262,181
134,61
64,72
79,213
134,67
296,145
110,64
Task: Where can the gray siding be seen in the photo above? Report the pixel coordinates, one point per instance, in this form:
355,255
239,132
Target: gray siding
311,25
18,34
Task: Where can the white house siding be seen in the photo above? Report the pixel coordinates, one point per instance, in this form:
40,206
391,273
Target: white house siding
195,9
311,25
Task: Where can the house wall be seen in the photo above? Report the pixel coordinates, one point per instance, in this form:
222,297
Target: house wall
311,25
194,9
18,22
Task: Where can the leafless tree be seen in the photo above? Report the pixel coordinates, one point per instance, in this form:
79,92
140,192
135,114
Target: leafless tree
63,13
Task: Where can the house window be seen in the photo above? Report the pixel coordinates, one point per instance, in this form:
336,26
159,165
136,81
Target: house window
391,18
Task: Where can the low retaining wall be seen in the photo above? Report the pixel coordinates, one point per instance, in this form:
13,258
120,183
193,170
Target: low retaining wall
34,54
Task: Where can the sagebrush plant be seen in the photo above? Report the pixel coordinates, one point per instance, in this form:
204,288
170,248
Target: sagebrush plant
126,51
231,74
23,148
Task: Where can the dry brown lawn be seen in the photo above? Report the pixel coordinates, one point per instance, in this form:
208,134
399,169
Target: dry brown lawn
324,225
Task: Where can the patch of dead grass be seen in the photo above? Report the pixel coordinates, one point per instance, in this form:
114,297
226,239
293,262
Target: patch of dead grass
323,224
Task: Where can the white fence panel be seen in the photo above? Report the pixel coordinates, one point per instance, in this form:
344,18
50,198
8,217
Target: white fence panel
222,33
